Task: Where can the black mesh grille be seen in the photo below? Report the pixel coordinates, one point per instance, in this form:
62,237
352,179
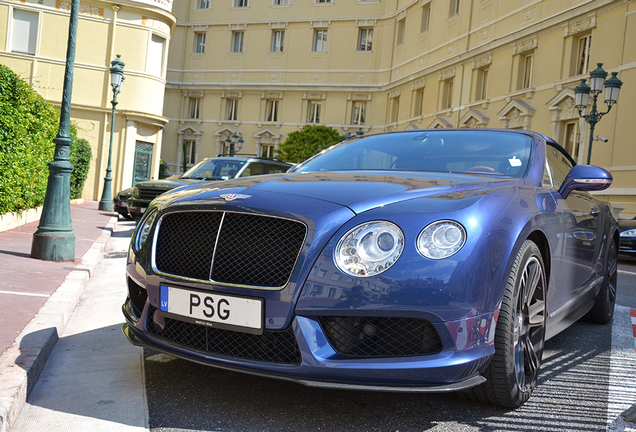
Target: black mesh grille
255,250
271,346
380,336
138,296
151,193
252,250
185,244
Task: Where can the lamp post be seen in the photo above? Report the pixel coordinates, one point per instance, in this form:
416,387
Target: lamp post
234,143
358,134
582,94
116,81
54,239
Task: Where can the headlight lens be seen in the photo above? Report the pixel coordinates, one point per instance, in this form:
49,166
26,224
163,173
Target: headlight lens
369,249
629,233
441,239
144,230
135,192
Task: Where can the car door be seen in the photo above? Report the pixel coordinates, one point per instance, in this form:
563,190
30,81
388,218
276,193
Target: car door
580,228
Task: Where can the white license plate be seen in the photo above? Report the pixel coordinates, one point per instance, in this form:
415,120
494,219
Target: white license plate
210,309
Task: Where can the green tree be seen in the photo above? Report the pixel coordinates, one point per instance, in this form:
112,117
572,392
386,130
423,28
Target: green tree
28,125
80,157
310,140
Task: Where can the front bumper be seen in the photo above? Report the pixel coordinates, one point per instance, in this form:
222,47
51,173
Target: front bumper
627,246
321,366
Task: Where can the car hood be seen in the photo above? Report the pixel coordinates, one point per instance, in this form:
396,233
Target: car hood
625,224
359,190
166,184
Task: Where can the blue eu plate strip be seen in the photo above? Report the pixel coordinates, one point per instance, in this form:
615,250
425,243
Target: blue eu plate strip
164,298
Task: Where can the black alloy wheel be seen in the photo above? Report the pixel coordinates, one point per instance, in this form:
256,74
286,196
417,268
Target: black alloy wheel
520,334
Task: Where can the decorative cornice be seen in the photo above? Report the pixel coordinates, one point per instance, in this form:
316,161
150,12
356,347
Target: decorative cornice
577,26
525,45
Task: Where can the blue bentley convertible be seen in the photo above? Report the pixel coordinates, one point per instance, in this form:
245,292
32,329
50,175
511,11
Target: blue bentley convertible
416,261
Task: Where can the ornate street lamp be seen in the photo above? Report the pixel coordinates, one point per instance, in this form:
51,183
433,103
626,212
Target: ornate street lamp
234,144
54,239
116,81
582,95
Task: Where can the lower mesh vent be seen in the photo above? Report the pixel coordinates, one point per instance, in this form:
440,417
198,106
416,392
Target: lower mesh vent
271,346
138,296
380,336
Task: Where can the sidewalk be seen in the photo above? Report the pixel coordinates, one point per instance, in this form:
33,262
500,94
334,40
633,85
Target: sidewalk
37,298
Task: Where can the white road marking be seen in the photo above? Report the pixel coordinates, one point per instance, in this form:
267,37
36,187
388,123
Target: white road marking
25,294
622,383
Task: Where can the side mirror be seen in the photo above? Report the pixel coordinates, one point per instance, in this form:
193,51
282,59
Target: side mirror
585,178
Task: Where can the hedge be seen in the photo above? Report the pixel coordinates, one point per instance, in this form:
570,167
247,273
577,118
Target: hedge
28,125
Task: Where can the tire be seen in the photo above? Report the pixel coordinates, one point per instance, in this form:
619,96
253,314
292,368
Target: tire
603,309
512,373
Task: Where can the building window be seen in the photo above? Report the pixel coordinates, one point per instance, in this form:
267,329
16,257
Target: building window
527,63
395,109
313,112
190,152
280,2
268,151
419,103
154,61
454,8
482,84
241,3
572,139
237,41
204,4
278,40
25,31
231,111
426,18
400,31
194,108
365,39
447,94
583,58
271,111
358,112
320,40
199,43
322,1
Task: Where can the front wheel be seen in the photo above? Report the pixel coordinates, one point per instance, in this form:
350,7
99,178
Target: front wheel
520,334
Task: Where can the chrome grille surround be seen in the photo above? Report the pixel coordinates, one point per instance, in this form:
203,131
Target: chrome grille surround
228,248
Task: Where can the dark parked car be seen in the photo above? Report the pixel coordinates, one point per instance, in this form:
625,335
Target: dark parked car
209,169
424,260
120,202
627,245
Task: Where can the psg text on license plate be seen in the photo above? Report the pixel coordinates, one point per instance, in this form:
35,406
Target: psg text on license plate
212,308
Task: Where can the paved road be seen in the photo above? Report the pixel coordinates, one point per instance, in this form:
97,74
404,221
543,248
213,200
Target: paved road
96,381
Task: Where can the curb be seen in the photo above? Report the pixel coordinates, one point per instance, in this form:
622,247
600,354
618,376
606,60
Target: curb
20,365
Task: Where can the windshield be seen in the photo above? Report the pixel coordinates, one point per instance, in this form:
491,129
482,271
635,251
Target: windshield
476,152
214,169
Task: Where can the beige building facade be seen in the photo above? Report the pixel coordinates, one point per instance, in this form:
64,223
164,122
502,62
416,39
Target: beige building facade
261,69
33,44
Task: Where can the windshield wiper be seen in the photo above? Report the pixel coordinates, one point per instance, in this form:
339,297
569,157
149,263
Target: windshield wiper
201,178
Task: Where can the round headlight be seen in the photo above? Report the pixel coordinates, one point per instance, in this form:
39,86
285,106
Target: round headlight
629,233
369,249
135,192
441,239
144,230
